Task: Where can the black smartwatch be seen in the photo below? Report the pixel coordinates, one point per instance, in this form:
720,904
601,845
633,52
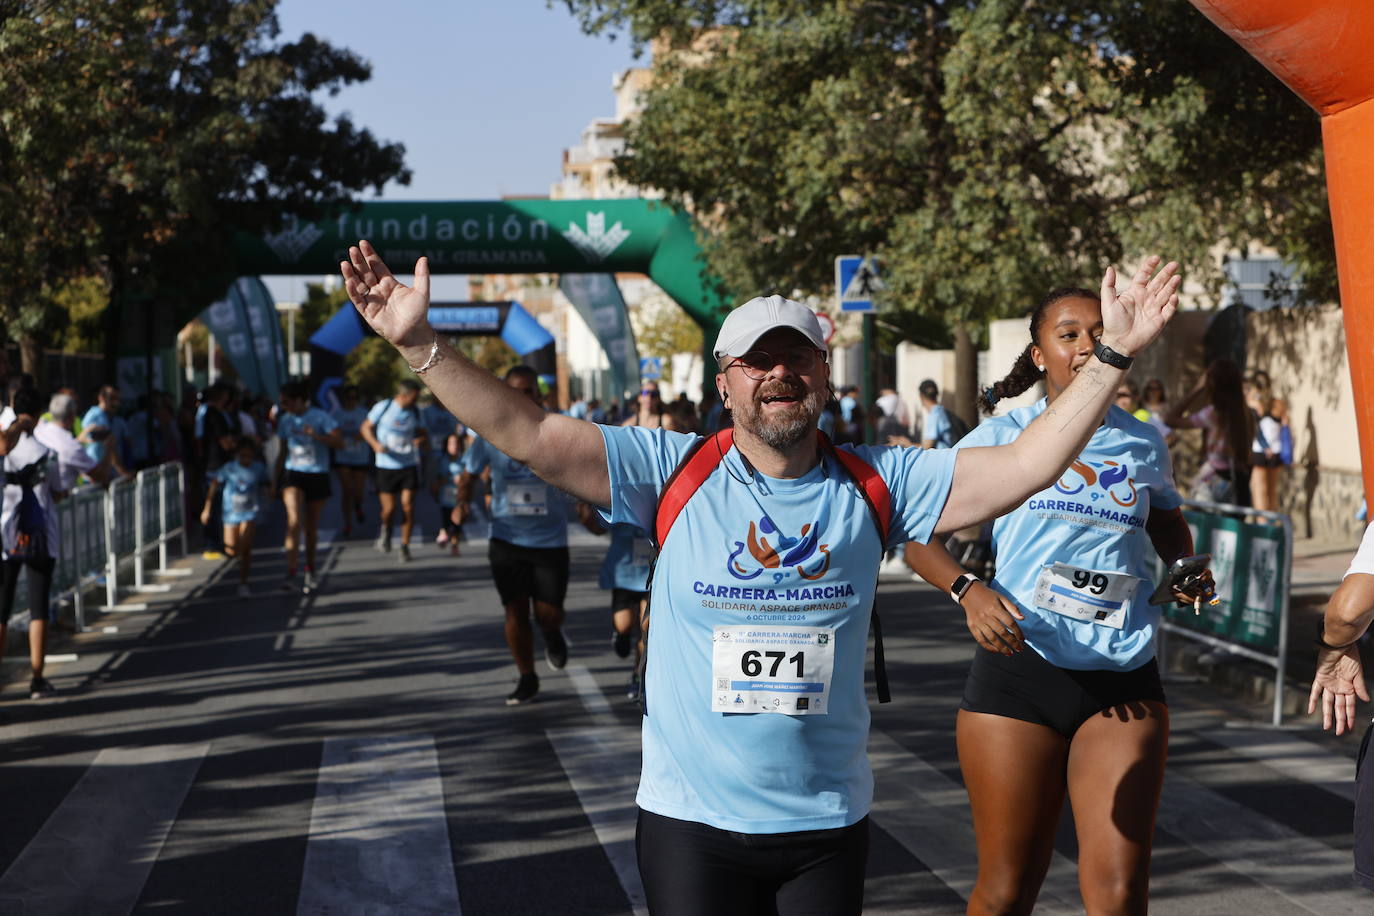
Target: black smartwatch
1106,354
961,585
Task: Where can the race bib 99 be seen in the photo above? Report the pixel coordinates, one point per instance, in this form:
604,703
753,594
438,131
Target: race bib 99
1085,594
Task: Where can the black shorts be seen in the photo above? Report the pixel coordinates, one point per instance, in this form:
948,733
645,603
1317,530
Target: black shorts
626,599
1364,815
692,869
1024,686
40,587
1261,460
316,486
394,480
540,573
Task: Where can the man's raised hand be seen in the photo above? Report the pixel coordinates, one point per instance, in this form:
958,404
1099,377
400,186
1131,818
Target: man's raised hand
399,313
1133,318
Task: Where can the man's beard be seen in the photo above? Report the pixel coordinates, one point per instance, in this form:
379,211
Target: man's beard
782,429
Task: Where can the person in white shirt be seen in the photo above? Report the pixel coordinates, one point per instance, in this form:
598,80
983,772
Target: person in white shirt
35,474
1339,680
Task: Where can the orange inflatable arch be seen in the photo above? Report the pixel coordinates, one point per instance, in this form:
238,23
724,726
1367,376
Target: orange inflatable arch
1324,51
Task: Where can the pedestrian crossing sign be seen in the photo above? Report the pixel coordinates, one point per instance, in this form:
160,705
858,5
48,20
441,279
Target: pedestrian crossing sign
857,283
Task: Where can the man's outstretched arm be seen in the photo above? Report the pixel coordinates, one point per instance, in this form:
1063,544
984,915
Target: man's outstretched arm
565,452
992,480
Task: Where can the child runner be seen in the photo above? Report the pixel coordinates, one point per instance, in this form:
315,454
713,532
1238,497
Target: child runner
242,482
354,458
1083,712
450,471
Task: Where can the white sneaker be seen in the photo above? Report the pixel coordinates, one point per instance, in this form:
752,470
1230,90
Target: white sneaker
308,584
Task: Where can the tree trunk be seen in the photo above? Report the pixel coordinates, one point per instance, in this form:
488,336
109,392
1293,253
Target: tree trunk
114,320
965,376
31,359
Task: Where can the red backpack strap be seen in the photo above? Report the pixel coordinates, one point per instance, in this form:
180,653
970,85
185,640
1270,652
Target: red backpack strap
871,486
690,474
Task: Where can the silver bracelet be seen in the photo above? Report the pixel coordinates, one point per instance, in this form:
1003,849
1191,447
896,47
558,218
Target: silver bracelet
435,357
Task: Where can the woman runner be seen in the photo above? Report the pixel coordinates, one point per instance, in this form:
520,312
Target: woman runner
1083,711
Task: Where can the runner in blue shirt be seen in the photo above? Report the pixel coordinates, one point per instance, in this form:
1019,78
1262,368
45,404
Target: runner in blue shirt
439,424
1082,711
769,806
528,548
449,514
353,459
103,429
241,483
396,434
307,434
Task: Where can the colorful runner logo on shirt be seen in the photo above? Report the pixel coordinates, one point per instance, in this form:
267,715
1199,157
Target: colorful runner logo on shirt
1114,480
778,556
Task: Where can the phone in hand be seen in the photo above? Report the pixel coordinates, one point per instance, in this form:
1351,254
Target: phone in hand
1183,573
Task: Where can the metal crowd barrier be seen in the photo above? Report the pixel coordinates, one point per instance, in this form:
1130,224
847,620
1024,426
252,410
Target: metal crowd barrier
141,514
1252,562
100,529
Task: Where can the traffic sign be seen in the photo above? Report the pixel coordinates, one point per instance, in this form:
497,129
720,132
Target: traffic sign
856,283
827,326
651,368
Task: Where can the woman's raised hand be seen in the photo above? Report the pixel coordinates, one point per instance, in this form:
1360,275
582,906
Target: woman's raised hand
1134,317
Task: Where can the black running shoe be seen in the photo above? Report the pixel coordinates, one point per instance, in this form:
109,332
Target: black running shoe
632,688
525,690
621,643
556,649
40,689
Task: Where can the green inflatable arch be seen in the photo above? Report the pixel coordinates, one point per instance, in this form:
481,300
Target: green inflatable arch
514,236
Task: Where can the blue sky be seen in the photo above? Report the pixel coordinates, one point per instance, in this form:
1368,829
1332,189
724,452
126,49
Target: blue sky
485,94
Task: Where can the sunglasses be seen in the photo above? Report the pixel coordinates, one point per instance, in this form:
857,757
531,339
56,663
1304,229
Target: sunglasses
758,363
652,392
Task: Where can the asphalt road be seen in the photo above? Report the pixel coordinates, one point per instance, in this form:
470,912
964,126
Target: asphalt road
350,751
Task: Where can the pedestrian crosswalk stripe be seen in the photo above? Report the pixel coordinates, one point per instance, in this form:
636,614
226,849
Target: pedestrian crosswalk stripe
1307,872
592,697
602,764
928,813
378,833
97,848
1294,757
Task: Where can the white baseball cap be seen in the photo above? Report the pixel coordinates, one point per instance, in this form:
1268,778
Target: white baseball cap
755,318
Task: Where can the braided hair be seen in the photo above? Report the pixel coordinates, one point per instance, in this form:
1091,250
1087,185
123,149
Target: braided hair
1024,372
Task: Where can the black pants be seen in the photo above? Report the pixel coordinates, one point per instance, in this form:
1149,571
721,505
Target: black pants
40,586
692,869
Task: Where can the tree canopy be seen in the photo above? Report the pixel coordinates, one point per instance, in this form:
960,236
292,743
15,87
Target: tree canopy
987,151
139,136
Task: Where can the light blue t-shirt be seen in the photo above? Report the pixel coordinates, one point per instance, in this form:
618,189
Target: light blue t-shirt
305,453
937,428
98,416
1092,519
396,428
450,468
755,551
847,405
440,424
524,509
241,486
356,452
628,559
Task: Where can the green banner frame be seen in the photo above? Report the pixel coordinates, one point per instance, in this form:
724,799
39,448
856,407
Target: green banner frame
1248,565
633,235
